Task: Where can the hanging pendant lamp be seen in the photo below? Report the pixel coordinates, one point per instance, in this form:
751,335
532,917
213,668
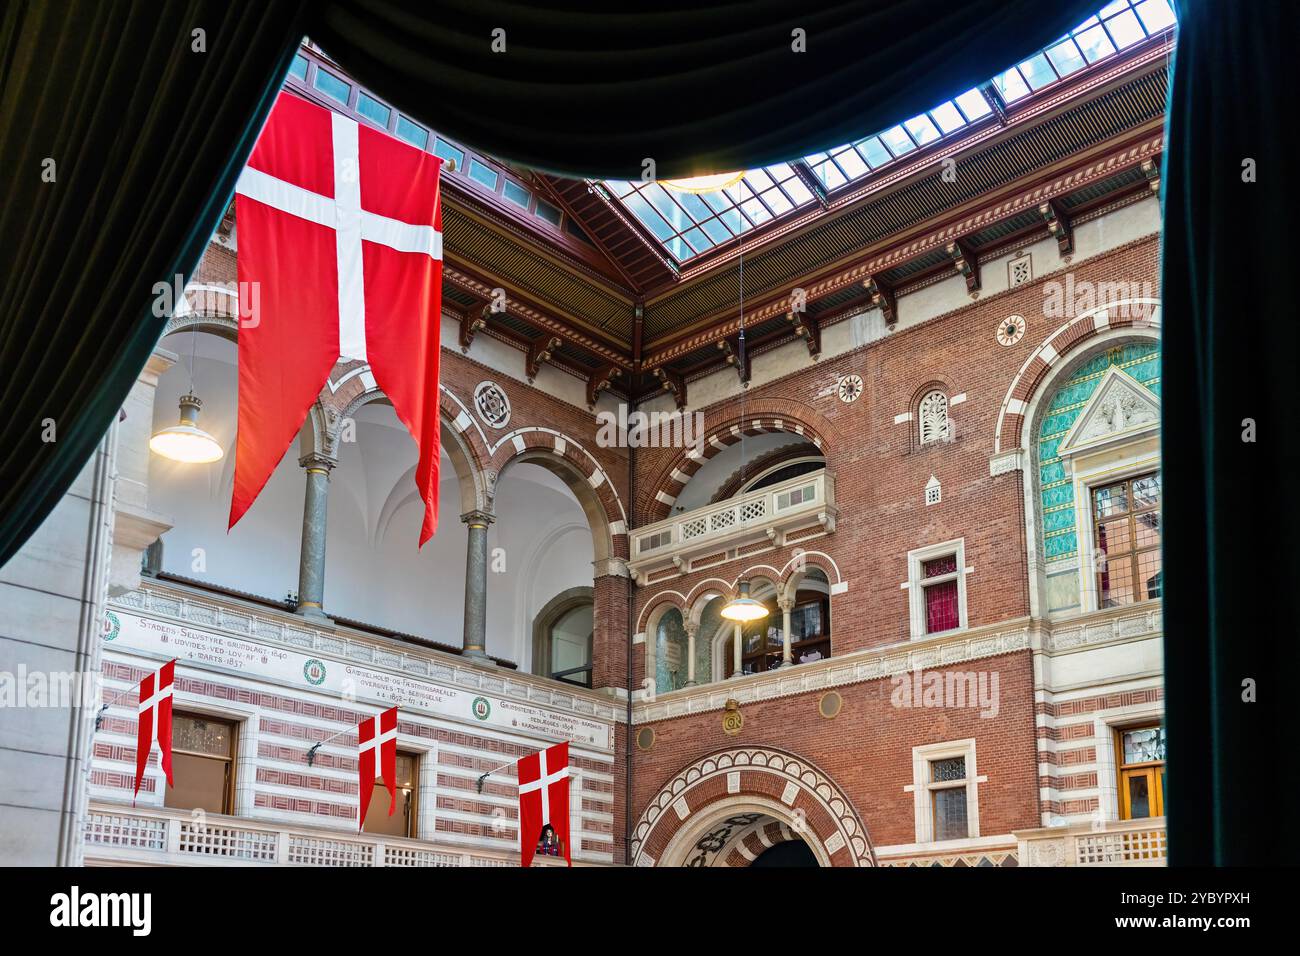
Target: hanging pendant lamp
743,607
186,441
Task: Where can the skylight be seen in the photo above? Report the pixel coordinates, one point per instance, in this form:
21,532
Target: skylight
1115,27
688,224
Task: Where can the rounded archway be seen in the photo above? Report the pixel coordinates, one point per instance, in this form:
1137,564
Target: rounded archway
767,785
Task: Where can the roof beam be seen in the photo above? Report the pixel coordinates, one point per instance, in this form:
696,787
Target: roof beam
967,263
809,329
882,297
674,384
1058,224
539,354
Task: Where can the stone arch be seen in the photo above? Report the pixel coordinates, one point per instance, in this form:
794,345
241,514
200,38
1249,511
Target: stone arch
352,386
763,415
1037,383
551,612
796,569
1112,320
573,464
761,780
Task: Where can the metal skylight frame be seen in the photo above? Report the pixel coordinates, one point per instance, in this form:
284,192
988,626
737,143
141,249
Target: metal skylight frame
686,224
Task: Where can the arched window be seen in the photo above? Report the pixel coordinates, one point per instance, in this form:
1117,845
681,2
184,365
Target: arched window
933,417
562,637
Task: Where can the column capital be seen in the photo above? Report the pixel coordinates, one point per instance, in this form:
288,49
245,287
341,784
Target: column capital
611,567
477,518
692,627
315,461
785,602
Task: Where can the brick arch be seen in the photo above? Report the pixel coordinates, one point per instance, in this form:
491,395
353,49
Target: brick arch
795,567
659,604
352,385
754,840
723,430
753,470
1061,345
580,469
761,779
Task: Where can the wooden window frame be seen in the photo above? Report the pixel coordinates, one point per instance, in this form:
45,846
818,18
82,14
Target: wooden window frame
1153,770
412,817
766,651
232,761
1134,553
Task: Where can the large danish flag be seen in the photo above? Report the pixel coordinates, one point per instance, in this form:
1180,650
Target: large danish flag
543,799
376,757
340,235
154,723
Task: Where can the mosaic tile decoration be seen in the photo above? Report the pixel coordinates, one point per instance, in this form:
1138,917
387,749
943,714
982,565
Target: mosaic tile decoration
1140,360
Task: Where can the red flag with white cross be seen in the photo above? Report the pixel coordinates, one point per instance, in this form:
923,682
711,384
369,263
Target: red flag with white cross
339,236
543,802
377,757
154,723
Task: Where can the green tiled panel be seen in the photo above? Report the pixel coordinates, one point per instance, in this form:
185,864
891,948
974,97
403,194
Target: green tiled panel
1140,360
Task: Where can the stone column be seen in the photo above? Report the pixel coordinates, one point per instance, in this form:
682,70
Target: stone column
476,552
787,605
735,651
311,560
691,629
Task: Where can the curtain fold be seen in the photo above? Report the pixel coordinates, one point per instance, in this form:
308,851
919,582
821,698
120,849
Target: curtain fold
697,87
1230,350
122,132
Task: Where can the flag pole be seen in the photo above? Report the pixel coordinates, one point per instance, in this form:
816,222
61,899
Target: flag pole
483,779
311,753
99,717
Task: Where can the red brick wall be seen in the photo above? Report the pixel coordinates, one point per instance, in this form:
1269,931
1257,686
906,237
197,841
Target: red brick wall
881,471
867,748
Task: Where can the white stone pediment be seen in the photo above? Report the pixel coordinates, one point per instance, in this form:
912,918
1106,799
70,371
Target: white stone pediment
1121,410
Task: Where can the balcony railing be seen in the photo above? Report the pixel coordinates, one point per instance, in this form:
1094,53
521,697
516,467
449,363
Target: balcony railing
1117,843
807,501
125,836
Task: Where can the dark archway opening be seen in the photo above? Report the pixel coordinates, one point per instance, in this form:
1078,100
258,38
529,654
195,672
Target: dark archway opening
790,853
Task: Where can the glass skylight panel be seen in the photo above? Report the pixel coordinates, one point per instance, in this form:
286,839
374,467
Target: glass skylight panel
1156,15
688,224
948,117
898,141
973,105
922,130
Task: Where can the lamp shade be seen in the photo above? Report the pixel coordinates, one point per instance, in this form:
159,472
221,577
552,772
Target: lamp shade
186,441
744,607
703,184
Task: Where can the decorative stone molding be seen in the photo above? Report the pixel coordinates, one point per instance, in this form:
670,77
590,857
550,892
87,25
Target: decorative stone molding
855,668
1007,461
1113,624
264,625
841,831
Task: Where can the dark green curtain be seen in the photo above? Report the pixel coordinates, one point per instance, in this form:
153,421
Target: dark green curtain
698,87
146,135
1230,354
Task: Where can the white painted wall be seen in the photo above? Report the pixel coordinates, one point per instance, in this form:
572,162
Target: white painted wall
373,572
